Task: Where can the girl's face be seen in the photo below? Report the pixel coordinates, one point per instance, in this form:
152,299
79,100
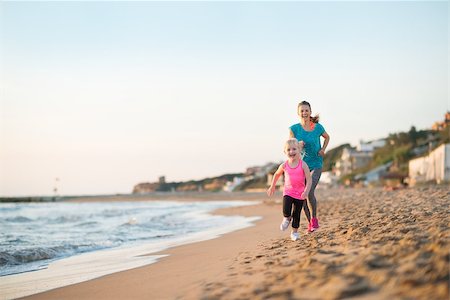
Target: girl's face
304,111
292,151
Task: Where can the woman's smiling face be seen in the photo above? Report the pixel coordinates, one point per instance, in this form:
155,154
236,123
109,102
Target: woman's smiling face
304,111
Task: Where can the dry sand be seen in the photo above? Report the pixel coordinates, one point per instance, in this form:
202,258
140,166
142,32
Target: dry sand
372,244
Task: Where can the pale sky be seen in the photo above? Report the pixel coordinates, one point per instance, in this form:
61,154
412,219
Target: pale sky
105,95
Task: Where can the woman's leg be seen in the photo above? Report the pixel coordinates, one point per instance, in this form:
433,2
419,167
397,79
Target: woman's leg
312,201
306,210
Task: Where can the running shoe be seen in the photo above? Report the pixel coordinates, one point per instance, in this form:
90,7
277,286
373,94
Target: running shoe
285,224
315,223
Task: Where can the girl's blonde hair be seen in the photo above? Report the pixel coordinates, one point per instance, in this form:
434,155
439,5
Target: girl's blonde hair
314,119
293,142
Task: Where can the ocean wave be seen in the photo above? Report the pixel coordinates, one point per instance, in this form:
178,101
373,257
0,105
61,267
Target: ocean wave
111,213
19,219
131,221
23,256
89,223
65,219
60,230
28,255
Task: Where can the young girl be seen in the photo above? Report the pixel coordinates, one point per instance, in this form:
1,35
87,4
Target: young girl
309,131
297,182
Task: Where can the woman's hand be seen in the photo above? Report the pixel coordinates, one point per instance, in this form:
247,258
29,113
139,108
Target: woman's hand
321,152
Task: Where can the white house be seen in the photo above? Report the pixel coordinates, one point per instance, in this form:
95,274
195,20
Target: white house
231,185
351,160
433,167
328,179
370,146
376,173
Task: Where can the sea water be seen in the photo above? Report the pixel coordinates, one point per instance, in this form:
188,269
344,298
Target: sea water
81,241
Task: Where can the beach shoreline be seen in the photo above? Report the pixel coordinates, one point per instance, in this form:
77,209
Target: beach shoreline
372,244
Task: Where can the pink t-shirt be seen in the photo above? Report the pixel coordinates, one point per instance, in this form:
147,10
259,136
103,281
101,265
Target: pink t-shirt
294,180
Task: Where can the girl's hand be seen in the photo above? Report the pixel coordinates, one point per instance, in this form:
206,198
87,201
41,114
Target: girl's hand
304,195
270,191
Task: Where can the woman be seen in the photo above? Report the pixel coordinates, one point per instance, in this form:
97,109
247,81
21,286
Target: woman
309,131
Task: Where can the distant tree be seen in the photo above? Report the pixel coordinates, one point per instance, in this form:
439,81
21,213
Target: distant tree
413,136
444,135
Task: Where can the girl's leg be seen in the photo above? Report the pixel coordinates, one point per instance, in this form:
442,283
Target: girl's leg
312,201
298,204
287,206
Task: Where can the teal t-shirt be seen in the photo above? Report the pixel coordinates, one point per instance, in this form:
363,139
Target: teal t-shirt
312,144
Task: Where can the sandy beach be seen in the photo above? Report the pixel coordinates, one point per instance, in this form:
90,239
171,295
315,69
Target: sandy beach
372,244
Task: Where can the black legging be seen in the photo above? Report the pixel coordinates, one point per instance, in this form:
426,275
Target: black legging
288,201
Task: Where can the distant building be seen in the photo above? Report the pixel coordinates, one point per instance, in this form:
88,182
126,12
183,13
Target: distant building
351,160
231,185
438,126
259,171
433,167
375,174
370,146
327,179
149,187
252,172
145,188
